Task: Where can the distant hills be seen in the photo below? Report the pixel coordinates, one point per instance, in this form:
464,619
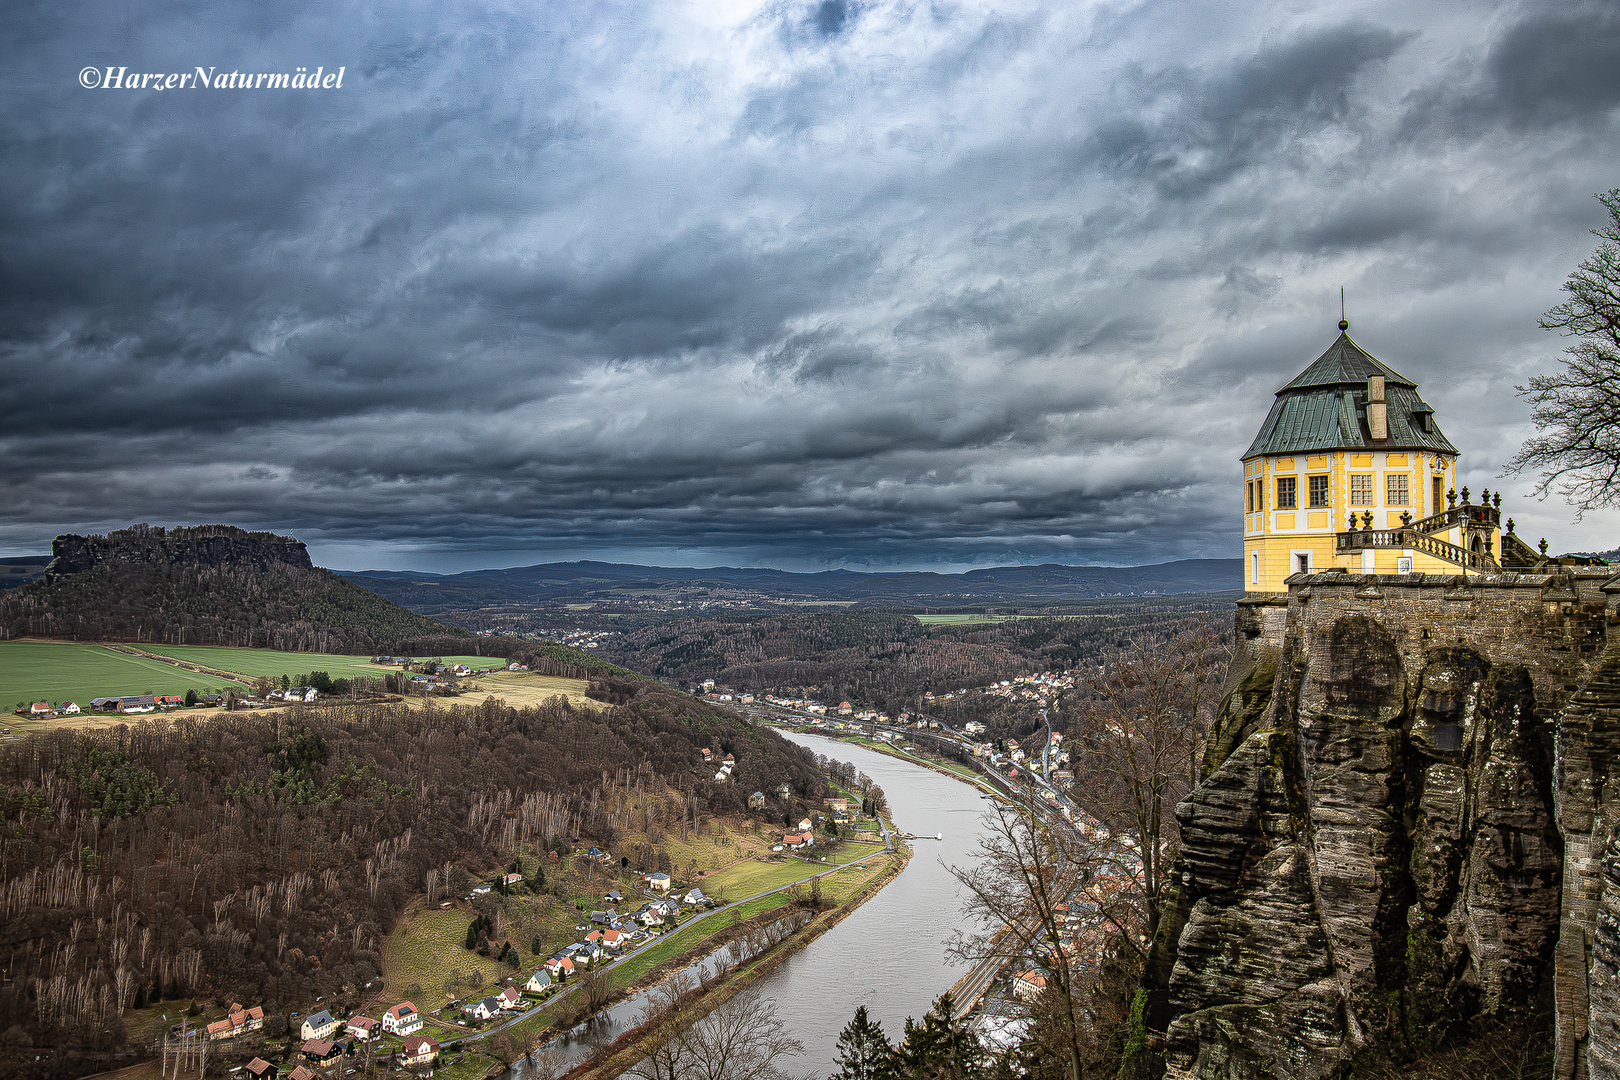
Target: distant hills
551,583
207,585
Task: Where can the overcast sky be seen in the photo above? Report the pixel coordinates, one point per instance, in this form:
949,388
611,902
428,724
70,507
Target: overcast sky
820,284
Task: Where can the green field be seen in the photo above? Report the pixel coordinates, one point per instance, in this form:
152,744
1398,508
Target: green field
51,671
964,620
426,948
255,662
749,877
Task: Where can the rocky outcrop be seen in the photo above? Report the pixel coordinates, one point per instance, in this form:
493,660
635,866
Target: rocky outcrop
1588,816
201,545
1372,867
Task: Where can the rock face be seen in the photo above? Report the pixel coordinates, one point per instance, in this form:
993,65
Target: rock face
1372,867
202,545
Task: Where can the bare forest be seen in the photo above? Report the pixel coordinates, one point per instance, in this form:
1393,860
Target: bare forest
263,857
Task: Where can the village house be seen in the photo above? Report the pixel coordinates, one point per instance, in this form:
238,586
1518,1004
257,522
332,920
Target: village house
1027,985
320,1051
658,882
363,1028
694,897
487,1009
301,1073
560,967
402,1019
613,939
247,1020
539,982
317,1026
510,998
418,1050
510,880
259,1069
238,1021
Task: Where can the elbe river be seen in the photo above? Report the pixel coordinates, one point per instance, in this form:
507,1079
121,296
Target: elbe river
889,954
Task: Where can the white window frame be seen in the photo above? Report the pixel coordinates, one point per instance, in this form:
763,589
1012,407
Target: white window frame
1293,561
1254,568
1371,494
1393,477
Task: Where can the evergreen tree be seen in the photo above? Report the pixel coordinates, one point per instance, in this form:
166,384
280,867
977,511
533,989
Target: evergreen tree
864,1052
939,1048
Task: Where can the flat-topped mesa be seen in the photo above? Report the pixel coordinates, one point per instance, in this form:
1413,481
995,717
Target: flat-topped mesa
198,545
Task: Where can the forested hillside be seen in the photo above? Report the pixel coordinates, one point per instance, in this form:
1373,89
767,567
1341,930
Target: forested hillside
883,659
211,585
262,859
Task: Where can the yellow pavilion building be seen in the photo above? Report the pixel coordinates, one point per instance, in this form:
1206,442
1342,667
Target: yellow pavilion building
1351,471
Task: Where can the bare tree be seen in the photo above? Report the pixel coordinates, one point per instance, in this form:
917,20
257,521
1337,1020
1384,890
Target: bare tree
1577,410
1138,739
741,1040
1018,892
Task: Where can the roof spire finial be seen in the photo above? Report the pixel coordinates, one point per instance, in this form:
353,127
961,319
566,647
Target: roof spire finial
1344,323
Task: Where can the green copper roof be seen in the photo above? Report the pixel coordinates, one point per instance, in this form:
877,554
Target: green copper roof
1344,363
1325,408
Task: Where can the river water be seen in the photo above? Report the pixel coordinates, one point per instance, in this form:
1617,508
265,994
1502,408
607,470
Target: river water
889,954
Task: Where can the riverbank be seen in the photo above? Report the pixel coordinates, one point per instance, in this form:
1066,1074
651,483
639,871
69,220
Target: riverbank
636,1043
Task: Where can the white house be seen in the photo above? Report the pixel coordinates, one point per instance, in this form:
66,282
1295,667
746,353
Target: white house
318,1026
418,1050
363,1028
487,1009
538,983
510,998
658,882
1029,984
402,1019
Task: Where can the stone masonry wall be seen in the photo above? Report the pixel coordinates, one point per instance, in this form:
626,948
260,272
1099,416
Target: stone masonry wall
1400,824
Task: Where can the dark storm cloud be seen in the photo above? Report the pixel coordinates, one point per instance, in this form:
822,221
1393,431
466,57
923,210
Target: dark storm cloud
804,283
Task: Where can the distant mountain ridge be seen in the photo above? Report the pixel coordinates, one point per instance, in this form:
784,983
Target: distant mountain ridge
205,585
1045,583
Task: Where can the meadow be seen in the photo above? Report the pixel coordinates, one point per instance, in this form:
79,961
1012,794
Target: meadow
964,620
76,671
270,662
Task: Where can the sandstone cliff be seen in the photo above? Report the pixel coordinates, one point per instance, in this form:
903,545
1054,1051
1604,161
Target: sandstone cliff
1401,824
202,545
